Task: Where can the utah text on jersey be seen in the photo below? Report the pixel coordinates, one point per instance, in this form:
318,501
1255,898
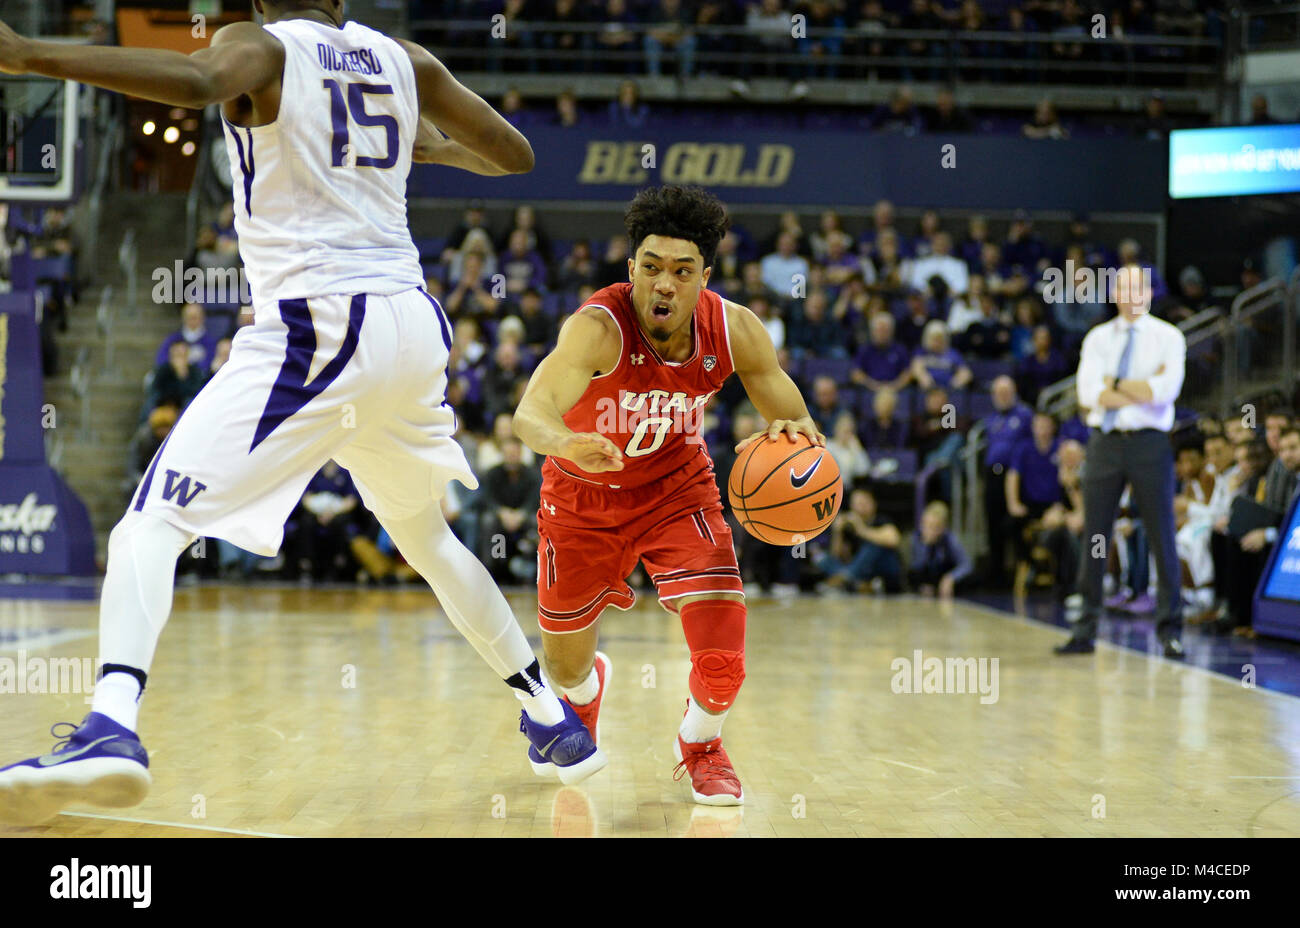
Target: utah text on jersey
659,411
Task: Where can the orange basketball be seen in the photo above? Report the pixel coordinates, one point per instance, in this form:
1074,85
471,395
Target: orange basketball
785,492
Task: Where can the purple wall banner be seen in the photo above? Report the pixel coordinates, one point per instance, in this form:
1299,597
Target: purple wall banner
44,526
22,441
829,167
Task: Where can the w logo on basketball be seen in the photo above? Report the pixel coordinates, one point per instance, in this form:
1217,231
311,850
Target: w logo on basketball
178,488
825,507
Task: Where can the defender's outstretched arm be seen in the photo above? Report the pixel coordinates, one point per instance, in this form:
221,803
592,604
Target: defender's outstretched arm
466,118
242,58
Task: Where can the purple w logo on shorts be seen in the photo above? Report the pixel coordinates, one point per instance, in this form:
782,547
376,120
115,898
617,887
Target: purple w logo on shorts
178,488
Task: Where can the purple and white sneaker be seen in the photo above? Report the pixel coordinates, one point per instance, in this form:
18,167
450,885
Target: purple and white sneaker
1118,600
97,762
565,750
1142,604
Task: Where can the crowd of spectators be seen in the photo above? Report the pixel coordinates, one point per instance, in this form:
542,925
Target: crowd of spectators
1050,40
899,115
900,335
1234,486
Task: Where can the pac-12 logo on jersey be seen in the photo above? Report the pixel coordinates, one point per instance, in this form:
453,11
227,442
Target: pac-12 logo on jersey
710,362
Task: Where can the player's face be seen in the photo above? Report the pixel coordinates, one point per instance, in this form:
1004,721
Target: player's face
667,275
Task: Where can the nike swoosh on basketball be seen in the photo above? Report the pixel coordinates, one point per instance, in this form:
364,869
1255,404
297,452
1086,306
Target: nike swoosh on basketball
49,760
801,479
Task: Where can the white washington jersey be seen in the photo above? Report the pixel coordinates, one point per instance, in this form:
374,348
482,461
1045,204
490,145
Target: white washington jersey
347,354
320,193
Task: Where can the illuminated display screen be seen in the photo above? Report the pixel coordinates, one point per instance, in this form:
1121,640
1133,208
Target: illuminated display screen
1235,161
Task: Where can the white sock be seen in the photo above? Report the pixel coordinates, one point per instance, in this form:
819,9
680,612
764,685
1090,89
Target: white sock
699,726
117,695
586,691
539,700
544,708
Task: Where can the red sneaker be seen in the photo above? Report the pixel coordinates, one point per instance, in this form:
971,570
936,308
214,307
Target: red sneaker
713,779
590,713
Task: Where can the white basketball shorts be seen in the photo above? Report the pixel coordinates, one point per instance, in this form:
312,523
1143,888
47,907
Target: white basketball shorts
360,379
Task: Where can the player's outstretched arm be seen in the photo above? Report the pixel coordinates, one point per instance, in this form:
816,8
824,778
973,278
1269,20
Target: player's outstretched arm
432,147
770,389
242,58
589,343
466,118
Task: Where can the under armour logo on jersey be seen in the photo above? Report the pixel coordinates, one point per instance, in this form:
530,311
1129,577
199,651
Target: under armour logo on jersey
549,507
710,362
638,359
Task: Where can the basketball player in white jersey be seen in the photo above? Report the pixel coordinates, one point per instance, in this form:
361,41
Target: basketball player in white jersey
346,358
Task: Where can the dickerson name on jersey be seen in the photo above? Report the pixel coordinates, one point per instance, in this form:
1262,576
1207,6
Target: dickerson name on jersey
363,61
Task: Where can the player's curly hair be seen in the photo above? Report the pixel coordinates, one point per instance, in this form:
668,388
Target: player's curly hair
689,213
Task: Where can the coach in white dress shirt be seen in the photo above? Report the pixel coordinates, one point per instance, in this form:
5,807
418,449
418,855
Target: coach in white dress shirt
1130,374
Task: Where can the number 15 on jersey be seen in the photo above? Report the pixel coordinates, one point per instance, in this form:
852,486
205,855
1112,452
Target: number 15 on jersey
353,104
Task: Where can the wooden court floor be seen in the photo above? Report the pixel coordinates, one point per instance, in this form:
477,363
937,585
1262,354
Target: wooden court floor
287,712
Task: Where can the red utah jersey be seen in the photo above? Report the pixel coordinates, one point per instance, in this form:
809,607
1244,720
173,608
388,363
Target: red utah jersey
651,408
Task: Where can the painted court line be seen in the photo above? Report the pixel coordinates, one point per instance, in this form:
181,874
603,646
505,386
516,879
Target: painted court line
1100,642
146,821
886,760
43,639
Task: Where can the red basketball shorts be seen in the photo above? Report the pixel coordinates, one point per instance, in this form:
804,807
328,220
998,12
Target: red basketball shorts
591,537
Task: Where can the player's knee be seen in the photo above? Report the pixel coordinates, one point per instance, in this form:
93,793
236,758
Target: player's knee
716,676
567,671
139,528
715,633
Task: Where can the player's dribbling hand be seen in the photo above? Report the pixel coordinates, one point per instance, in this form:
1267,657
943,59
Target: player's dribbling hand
13,51
791,428
593,452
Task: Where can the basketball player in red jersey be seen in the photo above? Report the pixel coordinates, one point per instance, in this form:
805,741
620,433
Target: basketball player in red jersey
616,409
